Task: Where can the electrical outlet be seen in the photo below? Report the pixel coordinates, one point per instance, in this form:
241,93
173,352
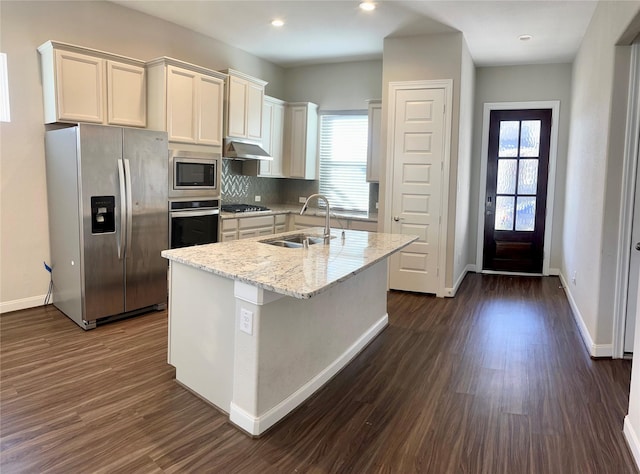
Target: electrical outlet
258,198
376,205
246,321
573,277
302,199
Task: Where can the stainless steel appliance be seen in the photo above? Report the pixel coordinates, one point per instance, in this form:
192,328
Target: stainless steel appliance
194,174
107,192
236,208
193,222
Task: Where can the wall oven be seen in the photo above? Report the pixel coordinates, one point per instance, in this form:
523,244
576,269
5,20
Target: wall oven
193,222
194,174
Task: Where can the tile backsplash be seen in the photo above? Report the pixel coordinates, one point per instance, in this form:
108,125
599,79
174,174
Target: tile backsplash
238,188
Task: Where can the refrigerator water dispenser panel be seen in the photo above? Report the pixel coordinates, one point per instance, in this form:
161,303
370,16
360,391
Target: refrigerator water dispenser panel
103,220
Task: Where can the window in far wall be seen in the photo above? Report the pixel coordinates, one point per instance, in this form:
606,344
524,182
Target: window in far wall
343,160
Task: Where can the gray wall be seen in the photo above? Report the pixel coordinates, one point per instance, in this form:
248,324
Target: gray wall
594,176
99,25
540,82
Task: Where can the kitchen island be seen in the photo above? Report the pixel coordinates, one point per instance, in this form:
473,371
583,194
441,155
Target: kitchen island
255,328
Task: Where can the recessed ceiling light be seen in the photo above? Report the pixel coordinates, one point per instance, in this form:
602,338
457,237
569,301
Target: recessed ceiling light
367,6
277,23
525,37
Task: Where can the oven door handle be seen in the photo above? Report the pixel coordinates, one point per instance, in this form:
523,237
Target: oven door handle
205,212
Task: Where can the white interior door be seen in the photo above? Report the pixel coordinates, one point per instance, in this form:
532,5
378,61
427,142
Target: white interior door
634,271
417,154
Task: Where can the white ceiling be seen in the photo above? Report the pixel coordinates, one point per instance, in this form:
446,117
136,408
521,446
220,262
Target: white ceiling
323,31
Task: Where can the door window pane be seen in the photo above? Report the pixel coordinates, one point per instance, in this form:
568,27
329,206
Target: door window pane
508,142
504,213
526,213
528,177
530,138
507,176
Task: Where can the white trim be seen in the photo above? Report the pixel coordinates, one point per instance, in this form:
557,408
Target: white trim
631,437
451,292
627,201
258,425
595,350
447,85
23,303
554,105
501,272
554,272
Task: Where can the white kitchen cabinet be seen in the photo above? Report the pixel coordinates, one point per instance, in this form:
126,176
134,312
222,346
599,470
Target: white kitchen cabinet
186,101
85,85
280,223
273,137
228,230
245,97
301,140
305,222
373,148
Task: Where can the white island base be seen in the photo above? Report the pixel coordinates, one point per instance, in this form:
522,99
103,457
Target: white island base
257,354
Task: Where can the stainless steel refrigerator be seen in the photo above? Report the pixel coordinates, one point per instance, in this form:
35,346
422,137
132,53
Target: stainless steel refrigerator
108,221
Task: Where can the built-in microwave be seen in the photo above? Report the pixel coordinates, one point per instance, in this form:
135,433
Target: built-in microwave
194,174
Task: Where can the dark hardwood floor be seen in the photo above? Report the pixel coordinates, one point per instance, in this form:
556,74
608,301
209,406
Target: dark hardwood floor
496,380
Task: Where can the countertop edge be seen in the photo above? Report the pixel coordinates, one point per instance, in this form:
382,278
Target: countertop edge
280,290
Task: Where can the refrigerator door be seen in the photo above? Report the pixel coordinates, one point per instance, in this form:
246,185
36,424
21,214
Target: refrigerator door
100,148
146,157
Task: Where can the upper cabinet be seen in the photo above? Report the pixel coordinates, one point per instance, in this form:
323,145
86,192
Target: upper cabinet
373,149
245,97
86,85
301,140
273,137
186,101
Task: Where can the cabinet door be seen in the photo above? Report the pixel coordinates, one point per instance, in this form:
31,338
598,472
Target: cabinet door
277,140
255,100
210,102
272,138
80,92
237,103
297,141
267,124
373,150
181,104
126,95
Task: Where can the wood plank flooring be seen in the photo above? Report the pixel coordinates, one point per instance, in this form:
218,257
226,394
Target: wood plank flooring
496,380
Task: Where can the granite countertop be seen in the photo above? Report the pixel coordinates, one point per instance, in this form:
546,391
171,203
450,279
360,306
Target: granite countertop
297,272
293,209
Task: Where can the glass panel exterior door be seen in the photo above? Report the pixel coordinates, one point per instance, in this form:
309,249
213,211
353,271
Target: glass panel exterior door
517,171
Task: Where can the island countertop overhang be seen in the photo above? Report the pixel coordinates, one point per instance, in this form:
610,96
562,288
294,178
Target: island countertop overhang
297,272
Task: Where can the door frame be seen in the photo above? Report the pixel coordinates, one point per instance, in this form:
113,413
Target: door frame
554,105
447,85
625,227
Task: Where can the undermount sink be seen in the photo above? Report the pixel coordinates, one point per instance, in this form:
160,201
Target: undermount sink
295,241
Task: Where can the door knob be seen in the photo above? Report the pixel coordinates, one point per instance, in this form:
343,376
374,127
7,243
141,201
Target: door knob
396,218
638,246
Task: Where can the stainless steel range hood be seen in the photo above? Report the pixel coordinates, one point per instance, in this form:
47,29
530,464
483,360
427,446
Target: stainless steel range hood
237,149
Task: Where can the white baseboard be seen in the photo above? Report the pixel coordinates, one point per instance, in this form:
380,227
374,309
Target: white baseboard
24,303
258,425
595,350
451,292
554,272
632,440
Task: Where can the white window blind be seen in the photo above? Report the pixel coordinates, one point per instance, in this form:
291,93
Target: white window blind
343,161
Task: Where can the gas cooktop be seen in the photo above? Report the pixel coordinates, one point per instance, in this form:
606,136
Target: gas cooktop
242,208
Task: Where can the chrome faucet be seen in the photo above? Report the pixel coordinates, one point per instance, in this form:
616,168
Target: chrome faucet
327,223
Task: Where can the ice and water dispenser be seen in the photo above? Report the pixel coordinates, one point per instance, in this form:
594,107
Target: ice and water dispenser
103,219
